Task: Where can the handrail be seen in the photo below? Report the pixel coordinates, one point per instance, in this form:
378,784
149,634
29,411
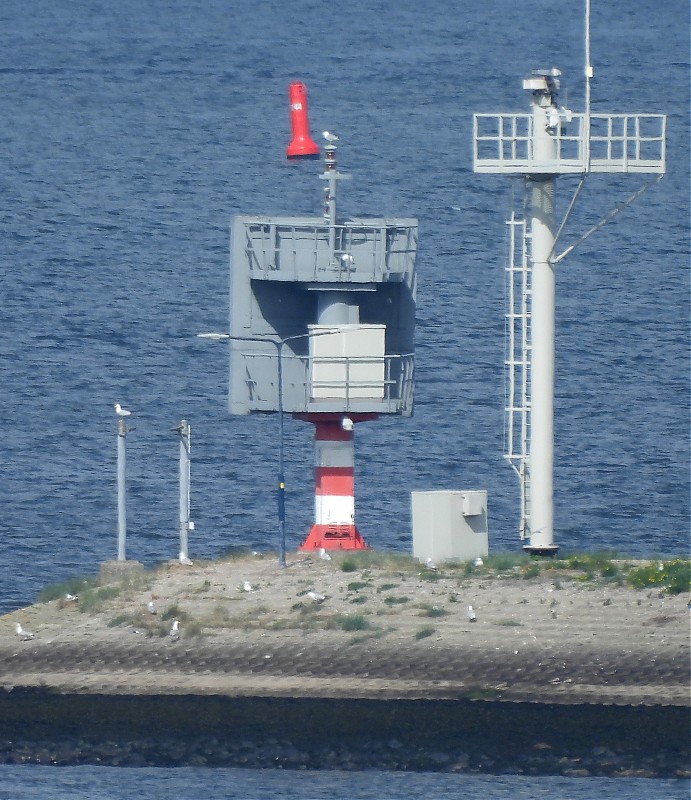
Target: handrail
596,143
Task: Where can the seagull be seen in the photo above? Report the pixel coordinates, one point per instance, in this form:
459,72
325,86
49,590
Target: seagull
471,614
185,560
324,555
150,607
318,598
478,562
23,635
120,411
431,565
330,137
247,587
71,598
174,631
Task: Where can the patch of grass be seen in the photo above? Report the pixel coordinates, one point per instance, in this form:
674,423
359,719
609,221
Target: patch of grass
386,587
508,623
671,577
361,598
358,622
120,619
531,570
503,562
173,612
191,629
395,601
75,586
428,610
348,565
355,586
431,575
424,632
92,600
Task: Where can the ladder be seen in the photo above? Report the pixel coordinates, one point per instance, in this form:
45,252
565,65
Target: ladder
518,276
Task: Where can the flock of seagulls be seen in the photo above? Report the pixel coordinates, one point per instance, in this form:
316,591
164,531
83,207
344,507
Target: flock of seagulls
174,632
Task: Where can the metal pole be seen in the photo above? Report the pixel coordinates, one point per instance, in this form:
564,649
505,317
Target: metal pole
184,431
122,505
542,215
281,477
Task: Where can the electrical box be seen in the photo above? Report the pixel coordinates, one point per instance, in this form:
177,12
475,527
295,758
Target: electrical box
449,525
347,363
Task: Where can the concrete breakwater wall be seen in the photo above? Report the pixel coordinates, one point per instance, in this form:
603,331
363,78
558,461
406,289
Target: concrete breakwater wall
327,733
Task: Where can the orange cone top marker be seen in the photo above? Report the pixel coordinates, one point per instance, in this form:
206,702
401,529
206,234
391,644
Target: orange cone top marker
301,145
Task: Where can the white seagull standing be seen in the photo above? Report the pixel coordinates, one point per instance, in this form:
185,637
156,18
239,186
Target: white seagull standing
120,411
23,634
247,587
431,565
150,607
174,631
330,137
318,598
472,617
324,555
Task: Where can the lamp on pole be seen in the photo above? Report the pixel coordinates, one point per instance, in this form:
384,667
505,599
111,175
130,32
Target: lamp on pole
278,344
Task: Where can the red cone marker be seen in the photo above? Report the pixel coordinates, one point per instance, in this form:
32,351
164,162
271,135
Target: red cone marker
301,145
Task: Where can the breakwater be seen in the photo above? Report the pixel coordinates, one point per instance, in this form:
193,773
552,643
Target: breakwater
325,733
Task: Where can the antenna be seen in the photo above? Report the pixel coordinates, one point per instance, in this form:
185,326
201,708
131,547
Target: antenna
588,77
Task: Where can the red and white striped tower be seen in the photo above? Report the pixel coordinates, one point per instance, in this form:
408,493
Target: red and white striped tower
334,494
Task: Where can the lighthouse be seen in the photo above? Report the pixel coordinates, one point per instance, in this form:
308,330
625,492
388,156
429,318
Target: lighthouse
322,319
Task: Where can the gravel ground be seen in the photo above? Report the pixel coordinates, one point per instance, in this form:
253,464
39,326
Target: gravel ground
390,630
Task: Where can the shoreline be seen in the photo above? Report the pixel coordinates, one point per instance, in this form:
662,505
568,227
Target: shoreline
611,663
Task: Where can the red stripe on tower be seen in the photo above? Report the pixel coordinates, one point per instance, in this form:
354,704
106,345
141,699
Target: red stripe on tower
334,494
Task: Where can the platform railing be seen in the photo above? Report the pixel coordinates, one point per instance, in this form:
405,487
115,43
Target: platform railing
503,143
390,392
302,251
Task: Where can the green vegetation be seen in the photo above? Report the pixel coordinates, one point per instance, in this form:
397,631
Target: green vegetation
673,577
355,586
93,600
423,633
73,586
428,610
396,601
358,622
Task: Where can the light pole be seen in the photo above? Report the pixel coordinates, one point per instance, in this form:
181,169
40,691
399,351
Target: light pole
278,344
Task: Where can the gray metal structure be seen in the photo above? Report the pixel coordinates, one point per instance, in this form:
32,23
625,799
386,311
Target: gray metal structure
342,291
540,146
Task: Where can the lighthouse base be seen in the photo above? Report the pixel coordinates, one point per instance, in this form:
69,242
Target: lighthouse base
334,537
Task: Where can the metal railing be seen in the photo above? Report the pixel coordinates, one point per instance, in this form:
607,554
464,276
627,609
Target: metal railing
503,143
351,252
390,391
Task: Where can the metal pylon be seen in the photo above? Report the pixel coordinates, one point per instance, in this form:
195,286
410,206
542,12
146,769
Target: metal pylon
517,360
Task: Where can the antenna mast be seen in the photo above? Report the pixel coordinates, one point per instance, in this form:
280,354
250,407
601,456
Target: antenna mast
549,142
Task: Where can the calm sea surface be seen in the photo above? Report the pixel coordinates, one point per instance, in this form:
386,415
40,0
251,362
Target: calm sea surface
132,131
118,783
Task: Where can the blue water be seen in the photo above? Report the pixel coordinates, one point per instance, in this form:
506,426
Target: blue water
117,783
130,133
